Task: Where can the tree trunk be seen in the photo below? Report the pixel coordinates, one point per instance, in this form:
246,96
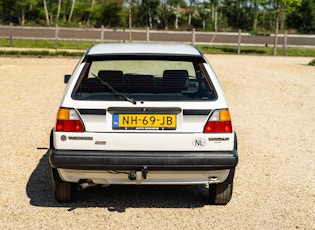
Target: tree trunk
190,12
46,12
51,14
214,14
282,24
177,16
90,15
165,15
255,15
64,18
58,11
216,19
130,20
277,28
71,11
149,15
212,11
23,17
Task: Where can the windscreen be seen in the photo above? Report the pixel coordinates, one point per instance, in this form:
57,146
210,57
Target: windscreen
145,79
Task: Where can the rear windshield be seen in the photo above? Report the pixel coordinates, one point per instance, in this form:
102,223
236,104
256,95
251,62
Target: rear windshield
144,79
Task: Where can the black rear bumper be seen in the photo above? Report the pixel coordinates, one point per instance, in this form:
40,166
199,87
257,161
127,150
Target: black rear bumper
136,160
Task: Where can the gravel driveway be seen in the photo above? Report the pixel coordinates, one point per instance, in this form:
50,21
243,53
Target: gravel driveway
272,102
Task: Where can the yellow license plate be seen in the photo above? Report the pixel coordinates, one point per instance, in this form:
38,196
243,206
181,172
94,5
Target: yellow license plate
144,121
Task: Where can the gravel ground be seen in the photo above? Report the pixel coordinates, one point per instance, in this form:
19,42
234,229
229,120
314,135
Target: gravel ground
273,110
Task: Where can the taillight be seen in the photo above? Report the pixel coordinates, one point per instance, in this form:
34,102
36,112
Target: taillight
219,122
69,121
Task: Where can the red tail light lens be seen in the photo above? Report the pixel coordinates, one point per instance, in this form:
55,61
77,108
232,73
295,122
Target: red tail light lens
218,127
219,122
69,121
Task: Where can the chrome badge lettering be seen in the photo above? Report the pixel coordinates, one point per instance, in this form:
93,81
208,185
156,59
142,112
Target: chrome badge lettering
219,139
81,138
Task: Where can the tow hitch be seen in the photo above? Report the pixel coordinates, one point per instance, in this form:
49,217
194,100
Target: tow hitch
138,175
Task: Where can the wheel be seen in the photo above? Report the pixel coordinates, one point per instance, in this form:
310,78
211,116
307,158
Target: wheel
221,194
63,191
51,140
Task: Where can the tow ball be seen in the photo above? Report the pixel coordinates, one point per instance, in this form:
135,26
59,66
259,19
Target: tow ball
138,175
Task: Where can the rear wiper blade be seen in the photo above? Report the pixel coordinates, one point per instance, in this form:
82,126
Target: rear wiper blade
114,91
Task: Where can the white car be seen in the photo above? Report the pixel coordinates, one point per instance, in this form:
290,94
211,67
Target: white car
143,114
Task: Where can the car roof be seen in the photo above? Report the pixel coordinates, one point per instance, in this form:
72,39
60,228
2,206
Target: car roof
143,48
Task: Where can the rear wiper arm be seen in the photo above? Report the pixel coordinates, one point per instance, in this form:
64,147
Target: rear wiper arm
114,91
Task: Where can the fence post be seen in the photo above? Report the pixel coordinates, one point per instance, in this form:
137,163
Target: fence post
148,34
11,35
285,43
102,34
56,36
193,36
239,42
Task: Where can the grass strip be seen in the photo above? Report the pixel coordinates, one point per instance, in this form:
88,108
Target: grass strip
40,53
256,50
84,45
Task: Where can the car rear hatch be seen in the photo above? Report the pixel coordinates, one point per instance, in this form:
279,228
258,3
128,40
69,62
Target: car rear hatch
144,103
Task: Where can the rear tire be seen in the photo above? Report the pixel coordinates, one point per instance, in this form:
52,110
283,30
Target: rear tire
221,194
63,191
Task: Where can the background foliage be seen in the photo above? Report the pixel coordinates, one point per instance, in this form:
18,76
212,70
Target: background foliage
256,16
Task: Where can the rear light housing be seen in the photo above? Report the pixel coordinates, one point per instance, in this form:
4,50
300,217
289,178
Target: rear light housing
68,120
219,122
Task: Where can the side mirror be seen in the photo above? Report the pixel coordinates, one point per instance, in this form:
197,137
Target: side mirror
66,78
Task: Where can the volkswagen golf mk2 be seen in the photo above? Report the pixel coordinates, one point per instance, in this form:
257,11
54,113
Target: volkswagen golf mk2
143,114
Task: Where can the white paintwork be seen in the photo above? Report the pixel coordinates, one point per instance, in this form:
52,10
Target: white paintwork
99,127
147,48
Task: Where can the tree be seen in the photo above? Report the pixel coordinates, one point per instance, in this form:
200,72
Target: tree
46,12
146,13
171,13
23,8
203,13
255,14
198,14
303,18
58,11
231,14
191,4
110,13
176,10
7,8
90,13
71,11
282,6
214,13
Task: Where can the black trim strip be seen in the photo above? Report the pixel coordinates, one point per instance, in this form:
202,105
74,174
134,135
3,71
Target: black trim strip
196,111
168,110
92,111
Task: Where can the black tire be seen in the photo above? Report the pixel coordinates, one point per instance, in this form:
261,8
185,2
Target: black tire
221,194
51,140
63,191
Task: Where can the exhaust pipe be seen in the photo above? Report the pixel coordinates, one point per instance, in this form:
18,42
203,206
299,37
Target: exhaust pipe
85,185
